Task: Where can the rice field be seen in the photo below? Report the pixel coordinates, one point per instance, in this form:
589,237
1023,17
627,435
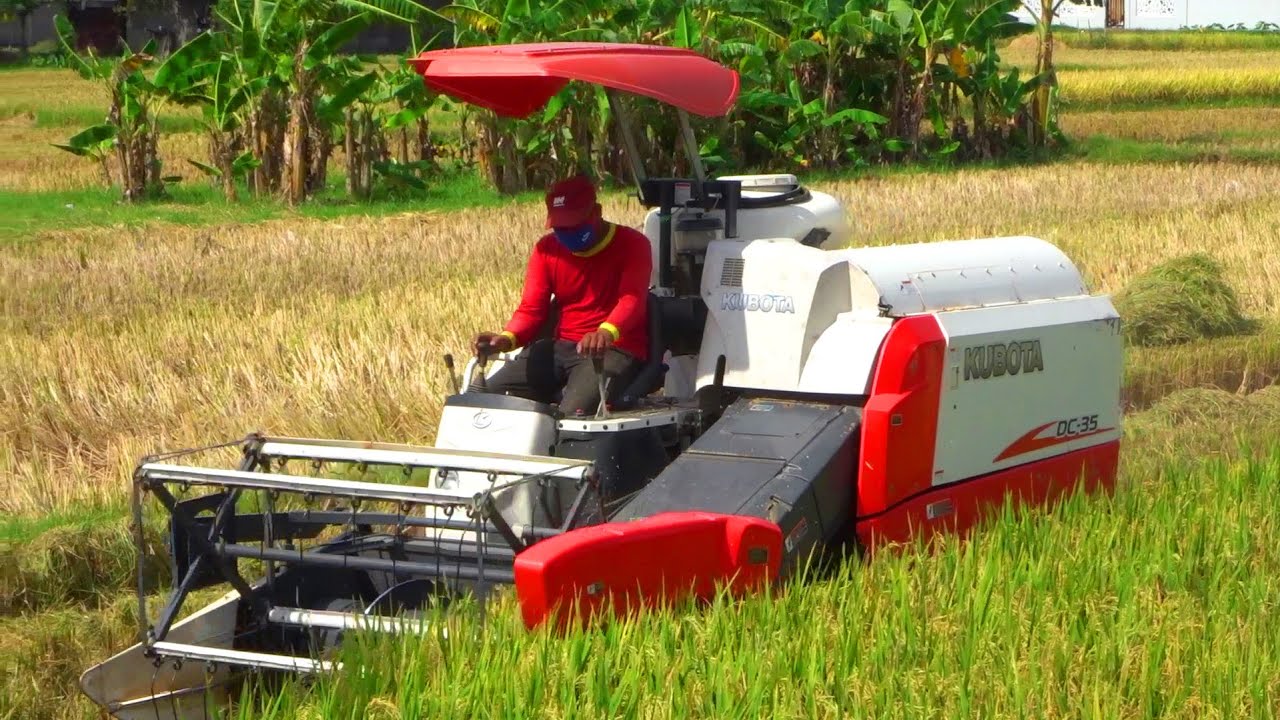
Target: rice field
124,332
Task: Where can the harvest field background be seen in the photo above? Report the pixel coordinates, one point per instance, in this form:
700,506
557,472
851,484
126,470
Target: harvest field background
126,330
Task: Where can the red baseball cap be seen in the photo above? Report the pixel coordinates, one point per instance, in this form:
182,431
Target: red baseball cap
570,202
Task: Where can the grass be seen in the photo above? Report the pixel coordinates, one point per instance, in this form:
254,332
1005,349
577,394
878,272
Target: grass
128,330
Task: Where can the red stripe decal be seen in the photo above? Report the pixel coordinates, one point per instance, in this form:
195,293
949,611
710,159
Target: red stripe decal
1030,442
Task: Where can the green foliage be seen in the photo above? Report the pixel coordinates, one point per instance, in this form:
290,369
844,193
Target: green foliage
129,133
1184,299
826,84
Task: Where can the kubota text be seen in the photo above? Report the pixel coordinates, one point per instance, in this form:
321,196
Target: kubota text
988,361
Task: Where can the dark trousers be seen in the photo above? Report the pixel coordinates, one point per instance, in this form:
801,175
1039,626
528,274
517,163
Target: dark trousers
545,366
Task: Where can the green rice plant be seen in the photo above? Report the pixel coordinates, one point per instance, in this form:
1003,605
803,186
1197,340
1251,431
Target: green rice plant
1101,89
1158,601
1170,39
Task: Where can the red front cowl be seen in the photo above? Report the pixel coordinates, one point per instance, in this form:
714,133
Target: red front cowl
621,567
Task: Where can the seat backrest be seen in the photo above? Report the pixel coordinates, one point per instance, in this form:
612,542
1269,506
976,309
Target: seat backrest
548,329
650,377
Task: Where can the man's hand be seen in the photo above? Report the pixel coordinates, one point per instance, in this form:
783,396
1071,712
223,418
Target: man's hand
595,343
487,343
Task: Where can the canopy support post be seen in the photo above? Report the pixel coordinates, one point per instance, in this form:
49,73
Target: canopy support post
628,140
691,148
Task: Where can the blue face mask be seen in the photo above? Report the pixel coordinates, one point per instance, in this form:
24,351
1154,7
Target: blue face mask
576,239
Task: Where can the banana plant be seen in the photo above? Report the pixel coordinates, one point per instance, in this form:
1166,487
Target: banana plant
129,132
516,155
295,45
204,73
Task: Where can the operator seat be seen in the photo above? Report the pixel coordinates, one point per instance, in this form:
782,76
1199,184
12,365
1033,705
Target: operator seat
653,373
675,325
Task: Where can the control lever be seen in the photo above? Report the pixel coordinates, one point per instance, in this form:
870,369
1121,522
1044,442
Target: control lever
482,360
453,374
602,383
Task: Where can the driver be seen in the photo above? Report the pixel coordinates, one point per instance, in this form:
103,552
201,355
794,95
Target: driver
598,272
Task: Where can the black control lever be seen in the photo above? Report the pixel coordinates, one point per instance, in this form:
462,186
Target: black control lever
453,374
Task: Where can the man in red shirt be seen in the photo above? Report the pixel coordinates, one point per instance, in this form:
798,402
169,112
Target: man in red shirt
598,272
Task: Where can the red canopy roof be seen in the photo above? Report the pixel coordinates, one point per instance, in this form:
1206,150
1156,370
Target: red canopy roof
515,80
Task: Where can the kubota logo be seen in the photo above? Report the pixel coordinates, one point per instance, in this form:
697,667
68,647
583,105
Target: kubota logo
988,361
753,302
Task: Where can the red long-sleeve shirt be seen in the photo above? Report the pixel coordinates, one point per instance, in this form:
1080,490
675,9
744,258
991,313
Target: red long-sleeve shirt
605,287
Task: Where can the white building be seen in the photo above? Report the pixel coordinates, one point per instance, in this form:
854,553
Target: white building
1164,14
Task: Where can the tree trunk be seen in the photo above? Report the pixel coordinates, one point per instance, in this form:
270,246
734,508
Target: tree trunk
297,155
426,149
321,144
349,147
223,157
1044,63
24,24
268,142
830,139
184,23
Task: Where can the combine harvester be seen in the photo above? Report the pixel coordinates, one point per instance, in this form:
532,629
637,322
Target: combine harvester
801,398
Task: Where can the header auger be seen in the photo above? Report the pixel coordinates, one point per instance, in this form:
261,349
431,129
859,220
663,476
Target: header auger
800,397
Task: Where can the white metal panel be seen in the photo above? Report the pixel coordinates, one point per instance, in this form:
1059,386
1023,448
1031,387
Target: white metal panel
494,429
628,420
129,677
1065,367
844,357
266,661
766,324
946,275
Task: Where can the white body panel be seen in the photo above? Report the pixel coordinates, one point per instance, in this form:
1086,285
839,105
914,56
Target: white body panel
493,430
936,276
766,324
843,358
1064,370
793,318
497,430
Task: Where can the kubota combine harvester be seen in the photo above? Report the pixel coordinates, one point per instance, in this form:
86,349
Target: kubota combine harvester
801,396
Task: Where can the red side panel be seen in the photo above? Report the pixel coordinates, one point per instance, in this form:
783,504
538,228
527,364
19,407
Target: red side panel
644,563
900,420
958,506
